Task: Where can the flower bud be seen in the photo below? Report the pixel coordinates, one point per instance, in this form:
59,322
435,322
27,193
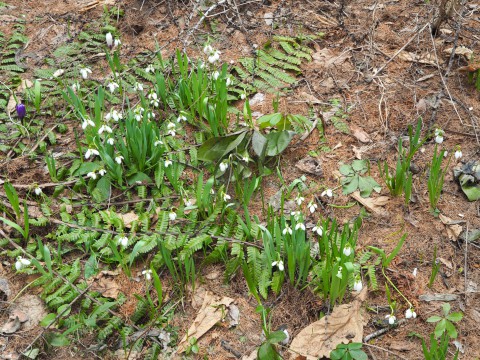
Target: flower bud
21,111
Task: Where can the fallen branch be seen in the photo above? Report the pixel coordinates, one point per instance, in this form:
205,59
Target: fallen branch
383,331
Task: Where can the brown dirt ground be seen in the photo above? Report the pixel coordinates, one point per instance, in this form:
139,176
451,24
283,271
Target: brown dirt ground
364,37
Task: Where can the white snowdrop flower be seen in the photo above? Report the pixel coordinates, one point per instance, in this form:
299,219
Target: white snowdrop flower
300,226
312,207
109,39
215,75
181,118
171,126
409,314
439,134
328,192
391,319
299,200
232,62
105,128
123,241
358,285
171,133
279,265
188,202
347,250
168,163
226,197
223,166
21,263
207,49
246,158
158,142
318,230
445,154
87,122
117,42
102,172
228,81
150,68
151,115
110,141
212,191
147,274
113,114
153,99
339,272
84,71
287,230
119,159
214,57
172,216
414,273
75,87
138,86
439,139
112,86
91,153
458,154
243,96
92,175
38,191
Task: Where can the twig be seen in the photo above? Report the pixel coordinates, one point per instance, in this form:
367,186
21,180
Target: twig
383,349
400,50
226,345
383,331
465,266
45,185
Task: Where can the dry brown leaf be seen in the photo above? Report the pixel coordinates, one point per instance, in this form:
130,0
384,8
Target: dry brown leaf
453,228
19,314
251,356
359,134
128,218
374,205
427,59
107,286
212,275
34,309
327,58
11,326
212,311
343,325
4,289
310,165
460,50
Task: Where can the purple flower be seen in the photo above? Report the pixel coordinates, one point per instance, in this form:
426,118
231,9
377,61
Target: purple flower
21,111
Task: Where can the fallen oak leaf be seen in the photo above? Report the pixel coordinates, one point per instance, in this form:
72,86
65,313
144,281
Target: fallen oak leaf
359,134
453,229
343,325
374,205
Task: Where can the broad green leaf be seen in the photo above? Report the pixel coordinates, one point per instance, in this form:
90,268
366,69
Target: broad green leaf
266,352
91,267
276,337
217,147
46,321
32,353
102,189
440,328
434,318
259,144
338,354
87,167
366,184
451,330
351,186
278,141
456,316
140,176
360,165
358,355
269,120
56,339
346,169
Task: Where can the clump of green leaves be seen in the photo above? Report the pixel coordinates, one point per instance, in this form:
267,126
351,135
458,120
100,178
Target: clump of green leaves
351,351
445,322
436,178
438,348
354,180
401,180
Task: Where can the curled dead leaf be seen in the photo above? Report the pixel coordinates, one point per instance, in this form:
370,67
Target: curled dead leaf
373,205
343,325
360,134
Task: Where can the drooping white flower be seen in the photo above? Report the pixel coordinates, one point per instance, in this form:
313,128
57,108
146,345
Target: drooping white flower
102,172
21,263
150,68
119,159
109,39
151,115
113,114
215,75
214,56
299,200
138,86
207,49
87,122
358,285
439,139
228,81
339,272
172,216
84,71
410,313
243,96
103,128
91,153
38,191
168,163
148,274
153,99
223,166
158,142
414,273
181,118
312,207
391,318
123,241
226,197
458,154
110,141
112,86
300,226
117,42
347,250
245,158
318,229
287,230
138,111
279,265
439,134
92,175
328,192
75,87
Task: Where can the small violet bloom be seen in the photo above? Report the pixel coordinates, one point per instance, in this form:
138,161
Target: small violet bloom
21,111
